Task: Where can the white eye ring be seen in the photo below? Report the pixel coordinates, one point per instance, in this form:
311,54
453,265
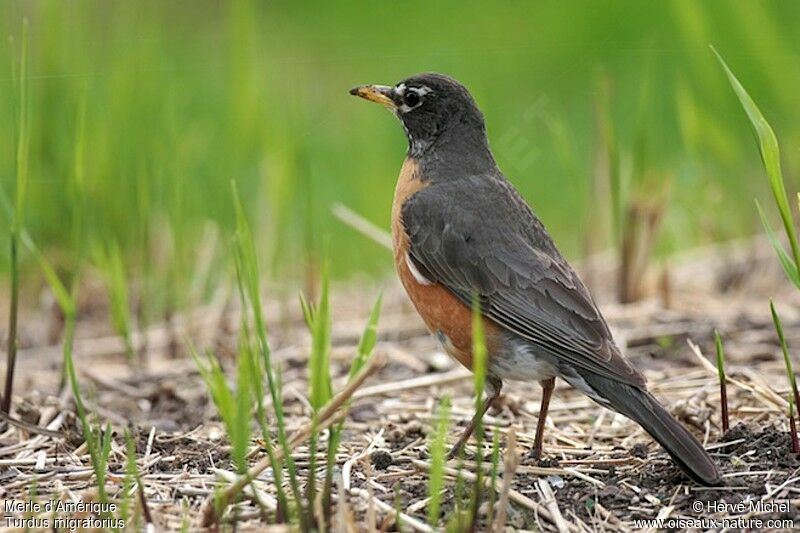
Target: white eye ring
410,103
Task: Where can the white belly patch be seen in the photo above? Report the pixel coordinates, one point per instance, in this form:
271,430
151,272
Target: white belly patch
422,280
521,364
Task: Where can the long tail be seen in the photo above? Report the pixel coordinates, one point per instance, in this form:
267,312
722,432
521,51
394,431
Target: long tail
641,407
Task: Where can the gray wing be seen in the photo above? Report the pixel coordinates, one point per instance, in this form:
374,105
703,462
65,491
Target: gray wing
480,237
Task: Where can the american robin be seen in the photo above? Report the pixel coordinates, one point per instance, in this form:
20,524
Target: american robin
460,228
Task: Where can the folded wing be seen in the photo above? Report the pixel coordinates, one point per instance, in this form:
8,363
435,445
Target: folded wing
482,238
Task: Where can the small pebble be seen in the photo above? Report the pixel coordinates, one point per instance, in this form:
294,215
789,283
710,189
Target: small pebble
381,459
639,450
609,491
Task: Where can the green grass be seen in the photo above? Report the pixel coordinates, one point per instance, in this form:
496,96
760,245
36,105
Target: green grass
770,156
320,389
369,338
493,478
787,359
97,437
319,384
130,482
254,367
479,371
771,159
254,341
233,406
438,455
108,260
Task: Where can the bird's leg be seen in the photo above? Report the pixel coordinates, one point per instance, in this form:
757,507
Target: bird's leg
493,393
547,390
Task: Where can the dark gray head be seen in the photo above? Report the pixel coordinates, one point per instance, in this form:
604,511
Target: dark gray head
439,116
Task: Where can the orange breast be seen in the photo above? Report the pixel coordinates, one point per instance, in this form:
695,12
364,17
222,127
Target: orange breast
444,314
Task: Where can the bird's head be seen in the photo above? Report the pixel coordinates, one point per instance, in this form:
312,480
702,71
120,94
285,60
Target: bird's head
431,107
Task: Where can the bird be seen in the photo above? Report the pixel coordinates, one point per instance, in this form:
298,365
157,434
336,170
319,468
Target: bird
462,232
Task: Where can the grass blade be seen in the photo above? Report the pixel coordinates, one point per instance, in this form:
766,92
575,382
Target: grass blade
99,448
109,260
723,391
242,416
789,267
129,482
770,156
248,281
438,452
479,363
98,452
57,287
785,349
308,310
369,337
319,363
793,425
366,344
479,355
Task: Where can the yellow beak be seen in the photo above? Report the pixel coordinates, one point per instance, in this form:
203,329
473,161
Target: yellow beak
380,94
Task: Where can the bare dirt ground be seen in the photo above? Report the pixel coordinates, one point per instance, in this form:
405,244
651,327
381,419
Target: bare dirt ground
600,471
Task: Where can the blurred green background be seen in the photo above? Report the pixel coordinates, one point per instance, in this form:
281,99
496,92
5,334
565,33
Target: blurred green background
176,98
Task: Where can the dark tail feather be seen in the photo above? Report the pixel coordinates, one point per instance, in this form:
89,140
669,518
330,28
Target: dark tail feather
641,407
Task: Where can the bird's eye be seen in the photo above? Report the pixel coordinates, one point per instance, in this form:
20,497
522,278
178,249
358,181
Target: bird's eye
411,98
